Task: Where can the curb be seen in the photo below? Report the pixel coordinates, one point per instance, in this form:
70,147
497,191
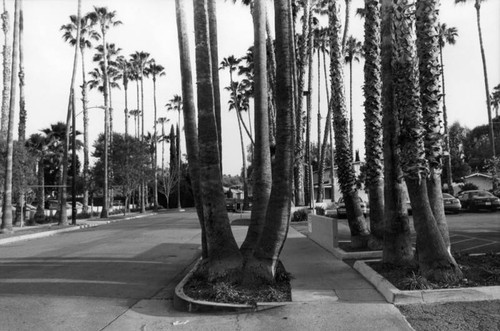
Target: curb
399,297
68,229
183,302
343,255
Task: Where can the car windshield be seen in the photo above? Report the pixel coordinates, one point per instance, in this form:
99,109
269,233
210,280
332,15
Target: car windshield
481,194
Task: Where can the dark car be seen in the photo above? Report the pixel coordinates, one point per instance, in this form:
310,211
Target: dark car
342,212
476,200
451,204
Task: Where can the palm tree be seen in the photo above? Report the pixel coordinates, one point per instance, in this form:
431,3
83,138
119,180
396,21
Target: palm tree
6,226
447,35
353,51
495,99
224,257
435,262
126,74
175,104
261,157
373,118
105,19
6,75
87,35
398,248
136,113
190,126
477,6
155,70
343,155
277,217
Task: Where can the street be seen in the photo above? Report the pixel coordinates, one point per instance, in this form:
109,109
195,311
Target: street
86,279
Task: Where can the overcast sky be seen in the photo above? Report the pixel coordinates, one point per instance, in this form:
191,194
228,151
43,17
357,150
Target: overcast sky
149,25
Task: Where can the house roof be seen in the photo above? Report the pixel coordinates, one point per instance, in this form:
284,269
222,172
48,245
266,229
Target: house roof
478,174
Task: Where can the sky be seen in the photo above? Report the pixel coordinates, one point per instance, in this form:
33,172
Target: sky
150,26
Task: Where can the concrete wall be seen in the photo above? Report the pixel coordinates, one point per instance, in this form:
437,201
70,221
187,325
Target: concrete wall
324,231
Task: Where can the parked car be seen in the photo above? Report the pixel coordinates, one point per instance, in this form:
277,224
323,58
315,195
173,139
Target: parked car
451,204
477,199
342,212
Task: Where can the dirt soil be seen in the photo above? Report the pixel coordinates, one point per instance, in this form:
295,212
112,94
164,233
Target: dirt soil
454,316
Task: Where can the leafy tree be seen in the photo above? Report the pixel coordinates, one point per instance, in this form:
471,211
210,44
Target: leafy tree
477,147
495,99
457,138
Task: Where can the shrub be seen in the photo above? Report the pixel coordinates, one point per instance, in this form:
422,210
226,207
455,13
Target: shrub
320,210
300,215
468,187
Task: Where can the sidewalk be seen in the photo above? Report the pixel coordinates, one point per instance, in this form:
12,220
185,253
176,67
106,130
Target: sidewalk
327,295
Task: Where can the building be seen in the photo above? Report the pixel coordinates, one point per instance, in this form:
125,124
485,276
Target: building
482,181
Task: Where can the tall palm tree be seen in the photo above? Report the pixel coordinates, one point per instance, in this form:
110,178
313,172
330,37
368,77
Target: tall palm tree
447,35
435,262
261,157
353,51
105,19
343,155
6,75
87,36
398,248
477,6
190,126
373,118
155,70
176,104
6,226
126,73
429,78
224,257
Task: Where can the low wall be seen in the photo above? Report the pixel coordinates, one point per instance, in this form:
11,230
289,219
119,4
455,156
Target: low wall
324,231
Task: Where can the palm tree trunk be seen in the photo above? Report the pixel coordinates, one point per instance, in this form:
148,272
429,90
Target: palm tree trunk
428,52
20,214
63,218
308,155
105,202
179,162
343,156
244,161
373,122
261,156
319,100
435,262
7,58
212,26
155,157
6,226
397,236
144,187
278,212
223,257
85,136
40,192
449,178
347,21
351,129
485,73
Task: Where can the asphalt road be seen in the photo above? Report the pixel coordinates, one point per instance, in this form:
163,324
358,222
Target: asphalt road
86,279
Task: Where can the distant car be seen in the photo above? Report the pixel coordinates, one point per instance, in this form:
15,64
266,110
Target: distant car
231,205
451,204
342,212
476,200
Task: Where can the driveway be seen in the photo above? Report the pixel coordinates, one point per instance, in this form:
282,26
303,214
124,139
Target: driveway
86,279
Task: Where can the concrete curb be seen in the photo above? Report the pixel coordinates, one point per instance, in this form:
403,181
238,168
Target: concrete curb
398,297
183,302
343,255
49,233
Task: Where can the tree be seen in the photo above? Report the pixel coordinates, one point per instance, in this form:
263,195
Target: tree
6,226
353,52
495,99
175,104
7,58
126,75
261,157
477,6
105,19
343,155
373,117
458,136
87,35
155,70
223,256
435,261
447,35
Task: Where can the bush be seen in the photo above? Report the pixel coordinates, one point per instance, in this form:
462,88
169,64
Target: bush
320,210
468,187
300,215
